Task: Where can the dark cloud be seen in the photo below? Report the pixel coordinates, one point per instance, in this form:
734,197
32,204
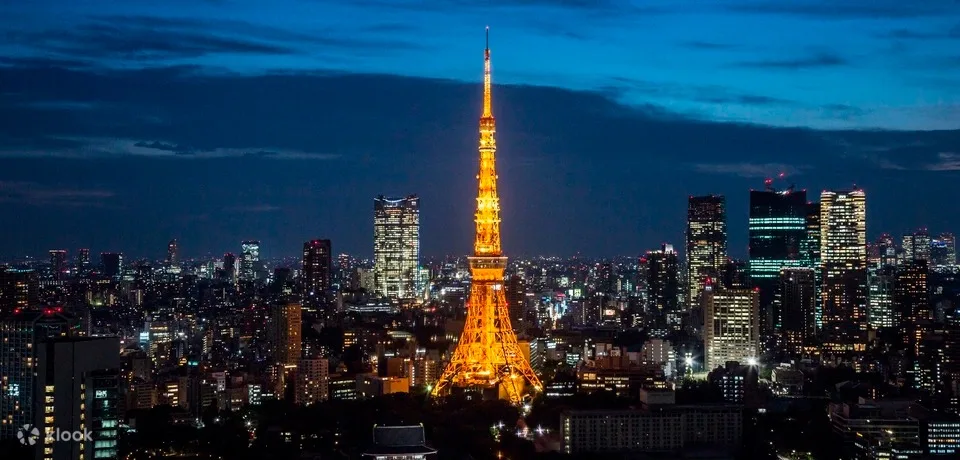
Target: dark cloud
150,38
579,171
847,9
35,194
810,62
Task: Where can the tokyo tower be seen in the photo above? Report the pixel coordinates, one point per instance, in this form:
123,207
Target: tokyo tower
487,355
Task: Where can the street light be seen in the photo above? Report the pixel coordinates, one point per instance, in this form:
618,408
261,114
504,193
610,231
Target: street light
752,361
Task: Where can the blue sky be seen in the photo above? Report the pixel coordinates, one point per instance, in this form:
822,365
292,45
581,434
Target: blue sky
223,120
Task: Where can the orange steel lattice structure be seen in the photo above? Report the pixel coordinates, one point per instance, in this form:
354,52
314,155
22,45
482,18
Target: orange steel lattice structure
487,354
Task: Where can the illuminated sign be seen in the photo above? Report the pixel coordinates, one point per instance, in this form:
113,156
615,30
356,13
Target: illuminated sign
100,394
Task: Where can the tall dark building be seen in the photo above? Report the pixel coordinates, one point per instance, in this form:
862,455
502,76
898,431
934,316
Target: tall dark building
173,253
778,236
230,267
83,261
606,276
516,298
706,249
78,390
795,308
58,263
317,268
916,246
943,250
663,285
911,300
18,289
112,264
20,333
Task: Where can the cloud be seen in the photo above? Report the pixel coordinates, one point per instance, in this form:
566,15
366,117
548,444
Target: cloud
947,161
562,153
749,170
35,194
154,38
820,60
846,9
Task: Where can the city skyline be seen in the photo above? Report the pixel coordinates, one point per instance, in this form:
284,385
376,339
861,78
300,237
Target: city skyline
111,148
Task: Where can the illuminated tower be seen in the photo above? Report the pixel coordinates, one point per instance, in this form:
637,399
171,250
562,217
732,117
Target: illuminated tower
843,253
487,355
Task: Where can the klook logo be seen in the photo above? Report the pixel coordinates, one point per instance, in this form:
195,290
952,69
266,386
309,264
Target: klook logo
30,435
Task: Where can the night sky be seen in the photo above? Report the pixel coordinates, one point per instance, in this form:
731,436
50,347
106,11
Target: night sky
126,123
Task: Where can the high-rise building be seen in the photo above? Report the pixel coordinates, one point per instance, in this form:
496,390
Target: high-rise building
173,253
83,260
249,260
317,267
796,308
943,250
287,323
663,284
911,299
731,328
77,387
916,246
843,250
58,263
488,355
706,242
516,298
230,267
778,236
112,264
882,252
396,246
880,287
20,333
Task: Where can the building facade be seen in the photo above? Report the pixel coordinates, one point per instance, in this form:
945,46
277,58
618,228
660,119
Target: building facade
396,246
706,250
731,327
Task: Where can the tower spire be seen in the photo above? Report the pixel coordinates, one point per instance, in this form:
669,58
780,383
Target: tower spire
487,241
487,104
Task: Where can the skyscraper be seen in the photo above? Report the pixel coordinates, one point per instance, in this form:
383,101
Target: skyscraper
731,328
943,250
883,252
843,243
396,246
880,287
112,263
796,308
229,267
20,333
77,390
287,323
916,246
488,355
778,235
249,260
173,253
663,285
317,267
706,242
58,263
83,260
